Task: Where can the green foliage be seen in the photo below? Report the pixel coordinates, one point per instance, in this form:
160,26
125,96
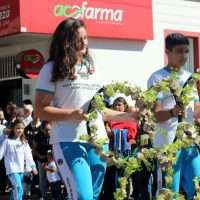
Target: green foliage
120,193
197,187
99,102
90,116
196,76
145,101
149,96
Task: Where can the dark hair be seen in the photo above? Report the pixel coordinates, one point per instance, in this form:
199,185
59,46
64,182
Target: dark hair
27,101
174,39
44,123
11,105
12,133
10,110
121,100
64,49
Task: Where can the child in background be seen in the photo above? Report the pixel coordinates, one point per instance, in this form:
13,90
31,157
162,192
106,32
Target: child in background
53,176
121,105
17,153
122,135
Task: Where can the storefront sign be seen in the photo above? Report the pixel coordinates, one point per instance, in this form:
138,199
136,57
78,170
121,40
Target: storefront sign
121,19
29,63
85,11
9,17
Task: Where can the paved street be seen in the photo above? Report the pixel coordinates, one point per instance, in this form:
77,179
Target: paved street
34,196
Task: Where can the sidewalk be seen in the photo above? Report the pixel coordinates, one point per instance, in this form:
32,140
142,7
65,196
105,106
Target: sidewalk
6,197
34,196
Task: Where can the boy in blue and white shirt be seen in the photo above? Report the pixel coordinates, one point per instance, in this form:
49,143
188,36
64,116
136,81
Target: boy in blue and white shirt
167,110
166,105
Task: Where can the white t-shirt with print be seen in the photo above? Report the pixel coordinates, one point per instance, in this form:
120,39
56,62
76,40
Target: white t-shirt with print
71,94
166,131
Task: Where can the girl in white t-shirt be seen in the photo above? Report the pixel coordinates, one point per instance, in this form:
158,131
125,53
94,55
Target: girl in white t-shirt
17,154
64,89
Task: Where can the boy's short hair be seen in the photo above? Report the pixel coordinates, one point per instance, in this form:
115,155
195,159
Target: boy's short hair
174,39
44,123
28,108
27,101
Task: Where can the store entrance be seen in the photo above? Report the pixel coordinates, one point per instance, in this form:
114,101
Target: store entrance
10,90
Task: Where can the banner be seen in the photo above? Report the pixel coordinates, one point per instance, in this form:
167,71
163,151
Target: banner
121,19
9,17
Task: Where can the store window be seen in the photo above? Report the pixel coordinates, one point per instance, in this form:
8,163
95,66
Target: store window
7,68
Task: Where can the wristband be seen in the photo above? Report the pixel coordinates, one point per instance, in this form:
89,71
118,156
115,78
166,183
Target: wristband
172,113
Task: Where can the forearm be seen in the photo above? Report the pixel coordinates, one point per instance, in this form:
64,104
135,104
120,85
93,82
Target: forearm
109,115
50,169
51,113
197,117
108,130
197,112
164,115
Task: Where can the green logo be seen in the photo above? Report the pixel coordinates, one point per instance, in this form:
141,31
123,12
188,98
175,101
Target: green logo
86,11
67,10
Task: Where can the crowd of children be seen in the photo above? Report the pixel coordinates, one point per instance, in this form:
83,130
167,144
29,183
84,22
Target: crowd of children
17,136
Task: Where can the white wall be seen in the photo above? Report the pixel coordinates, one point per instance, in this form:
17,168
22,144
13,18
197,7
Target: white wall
125,60
136,60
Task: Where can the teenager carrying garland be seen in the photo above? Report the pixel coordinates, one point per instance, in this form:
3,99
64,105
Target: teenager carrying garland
65,87
167,112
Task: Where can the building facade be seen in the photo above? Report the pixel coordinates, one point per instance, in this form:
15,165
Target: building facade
126,37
